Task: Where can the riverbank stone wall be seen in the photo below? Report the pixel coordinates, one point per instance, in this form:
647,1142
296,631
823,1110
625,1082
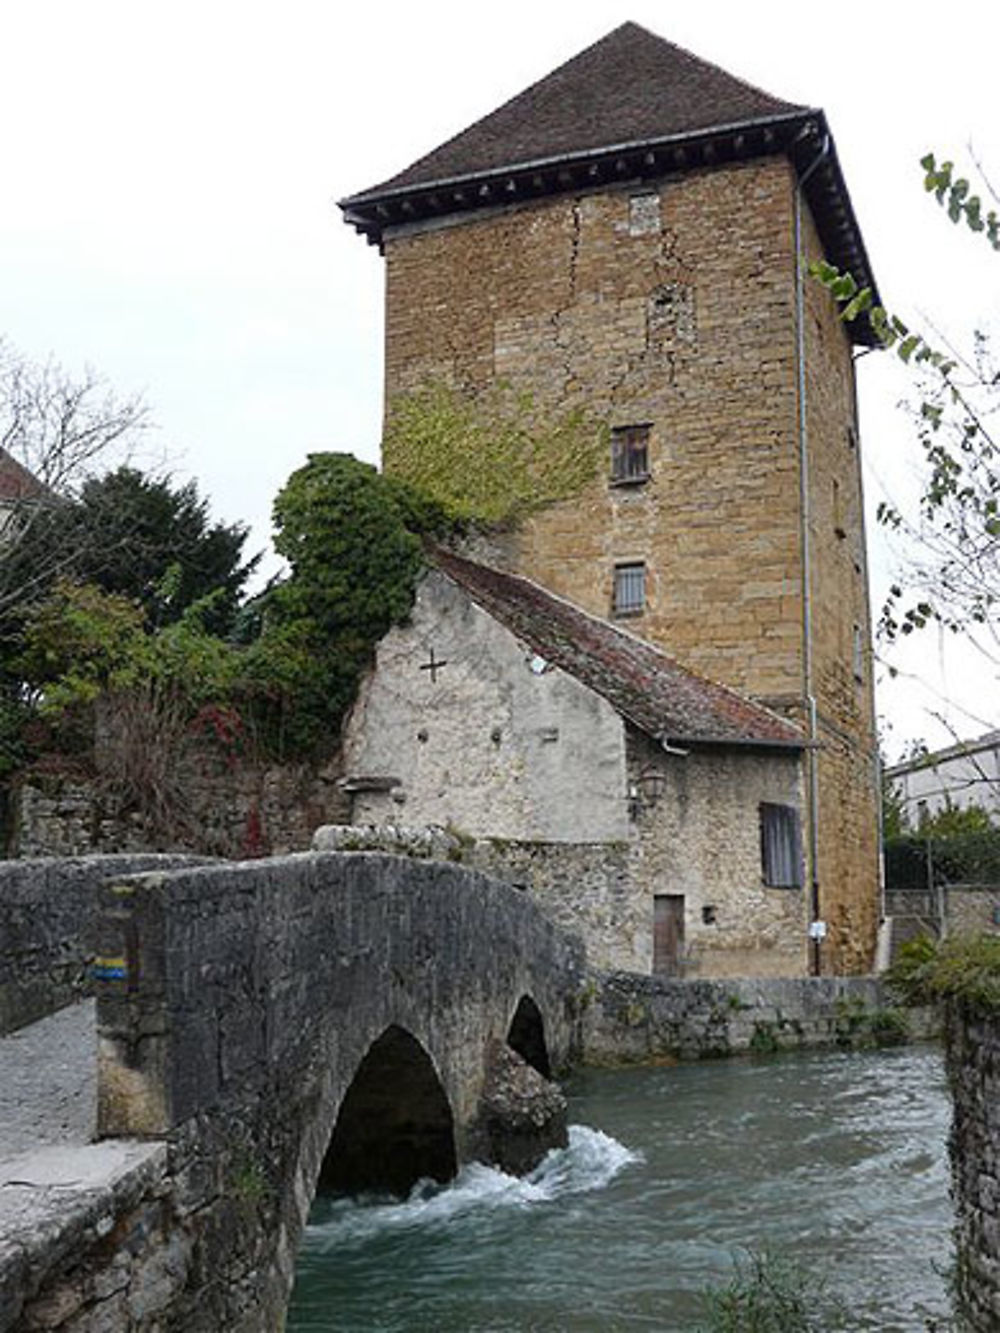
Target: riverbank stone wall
972,1048
628,1017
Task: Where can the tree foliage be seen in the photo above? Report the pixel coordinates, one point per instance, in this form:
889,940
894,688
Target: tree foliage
353,539
147,539
63,429
89,657
952,574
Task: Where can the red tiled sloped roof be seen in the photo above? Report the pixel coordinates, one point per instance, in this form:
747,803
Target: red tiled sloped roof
16,482
649,688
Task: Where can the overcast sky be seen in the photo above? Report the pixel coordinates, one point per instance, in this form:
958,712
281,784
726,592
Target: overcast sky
170,172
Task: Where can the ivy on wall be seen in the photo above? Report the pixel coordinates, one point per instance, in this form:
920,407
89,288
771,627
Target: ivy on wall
492,457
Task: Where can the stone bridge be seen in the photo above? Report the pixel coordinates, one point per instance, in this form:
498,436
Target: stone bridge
261,1028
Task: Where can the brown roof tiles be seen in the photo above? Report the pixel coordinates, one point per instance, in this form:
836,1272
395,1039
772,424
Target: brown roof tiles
629,87
16,482
649,688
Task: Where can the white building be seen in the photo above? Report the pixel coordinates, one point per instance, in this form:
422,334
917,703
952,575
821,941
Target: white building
963,775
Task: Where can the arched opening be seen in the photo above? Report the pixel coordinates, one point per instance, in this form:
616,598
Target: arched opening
394,1126
527,1036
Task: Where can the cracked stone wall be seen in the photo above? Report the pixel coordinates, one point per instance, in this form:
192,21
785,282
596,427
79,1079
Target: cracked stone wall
676,306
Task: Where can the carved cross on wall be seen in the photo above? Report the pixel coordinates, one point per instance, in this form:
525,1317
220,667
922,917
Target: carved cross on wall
433,667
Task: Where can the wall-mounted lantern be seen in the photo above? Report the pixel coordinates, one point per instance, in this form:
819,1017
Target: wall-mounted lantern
646,790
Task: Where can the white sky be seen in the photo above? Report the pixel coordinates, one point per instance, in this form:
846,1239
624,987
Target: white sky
169,173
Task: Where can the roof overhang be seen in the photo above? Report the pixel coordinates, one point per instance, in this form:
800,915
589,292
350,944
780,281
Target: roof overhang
802,136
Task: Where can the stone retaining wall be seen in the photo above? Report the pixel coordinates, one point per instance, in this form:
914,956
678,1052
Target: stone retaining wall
631,1017
240,812
973,1060
48,915
972,909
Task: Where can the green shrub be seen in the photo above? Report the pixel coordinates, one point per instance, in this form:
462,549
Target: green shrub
770,1294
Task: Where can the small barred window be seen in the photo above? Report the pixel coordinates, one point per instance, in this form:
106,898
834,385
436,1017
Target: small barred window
630,589
630,453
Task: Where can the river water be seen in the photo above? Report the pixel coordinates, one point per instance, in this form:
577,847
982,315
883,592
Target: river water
836,1160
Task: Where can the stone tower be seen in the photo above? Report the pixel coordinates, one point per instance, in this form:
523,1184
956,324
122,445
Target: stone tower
631,236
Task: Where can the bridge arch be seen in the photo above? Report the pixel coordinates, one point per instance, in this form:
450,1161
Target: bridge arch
526,1036
395,1124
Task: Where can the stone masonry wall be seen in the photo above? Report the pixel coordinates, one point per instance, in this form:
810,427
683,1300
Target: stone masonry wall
49,910
627,1017
689,326
841,638
701,840
562,300
249,995
972,910
972,1045
238,812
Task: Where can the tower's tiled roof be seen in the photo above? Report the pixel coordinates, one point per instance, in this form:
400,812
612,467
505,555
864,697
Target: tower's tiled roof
645,685
630,87
632,107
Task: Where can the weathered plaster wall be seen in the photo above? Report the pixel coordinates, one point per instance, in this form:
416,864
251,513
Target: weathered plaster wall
237,812
701,840
972,1046
49,910
689,325
490,746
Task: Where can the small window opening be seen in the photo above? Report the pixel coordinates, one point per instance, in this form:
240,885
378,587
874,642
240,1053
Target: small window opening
838,511
780,846
858,653
629,597
629,454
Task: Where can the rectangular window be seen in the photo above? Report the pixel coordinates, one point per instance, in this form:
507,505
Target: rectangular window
630,589
858,652
629,454
780,846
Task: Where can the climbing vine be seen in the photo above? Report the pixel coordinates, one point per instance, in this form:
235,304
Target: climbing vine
493,457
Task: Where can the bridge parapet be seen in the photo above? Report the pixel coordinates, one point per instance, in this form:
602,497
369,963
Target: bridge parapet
49,909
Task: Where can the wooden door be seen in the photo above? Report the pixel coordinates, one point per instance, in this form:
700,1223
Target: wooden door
668,934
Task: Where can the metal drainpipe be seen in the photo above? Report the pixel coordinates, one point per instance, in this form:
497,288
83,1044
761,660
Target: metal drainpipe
807,663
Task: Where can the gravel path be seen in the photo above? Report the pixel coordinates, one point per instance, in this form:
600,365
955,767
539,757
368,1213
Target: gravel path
48,1082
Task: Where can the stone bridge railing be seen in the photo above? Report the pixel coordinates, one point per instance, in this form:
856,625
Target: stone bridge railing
49,914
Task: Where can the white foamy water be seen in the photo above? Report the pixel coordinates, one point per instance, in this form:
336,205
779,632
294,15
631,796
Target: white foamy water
590,1162
837,1161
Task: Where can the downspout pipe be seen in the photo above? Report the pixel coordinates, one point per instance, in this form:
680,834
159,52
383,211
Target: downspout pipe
806,536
